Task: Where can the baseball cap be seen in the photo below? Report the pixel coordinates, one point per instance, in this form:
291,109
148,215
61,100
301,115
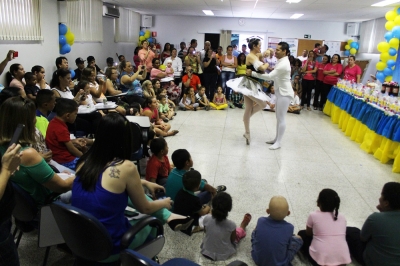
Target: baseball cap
90,58
79,60
110,60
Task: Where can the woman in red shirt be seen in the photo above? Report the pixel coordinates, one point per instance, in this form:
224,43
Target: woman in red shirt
150,109
308,70
320,81
352,72
332,72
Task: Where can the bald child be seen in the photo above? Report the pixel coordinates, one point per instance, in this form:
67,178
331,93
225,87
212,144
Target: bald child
272,240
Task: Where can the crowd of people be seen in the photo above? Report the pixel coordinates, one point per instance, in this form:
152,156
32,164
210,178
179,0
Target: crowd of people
58,138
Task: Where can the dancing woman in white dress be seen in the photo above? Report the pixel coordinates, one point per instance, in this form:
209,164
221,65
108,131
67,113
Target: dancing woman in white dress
283,90
250,87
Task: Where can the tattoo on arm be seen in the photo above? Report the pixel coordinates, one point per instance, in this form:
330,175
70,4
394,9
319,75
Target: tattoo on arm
114,172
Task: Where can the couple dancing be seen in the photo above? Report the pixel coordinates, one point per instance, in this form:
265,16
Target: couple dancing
251,88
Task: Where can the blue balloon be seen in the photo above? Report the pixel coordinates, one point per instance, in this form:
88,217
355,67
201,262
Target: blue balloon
388,71
398,11
380,76
72,73
353,45
62,40
65,49
141,33
392,51
391,63
388,36
62,29
347,53
150,40
396,32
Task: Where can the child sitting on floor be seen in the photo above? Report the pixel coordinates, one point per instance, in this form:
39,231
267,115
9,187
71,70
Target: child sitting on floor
272,240
222,235
57,135
171,104
188,204
271,103
158,166
219,100
30,88
201,99
188,101
294,106
236,100
163,108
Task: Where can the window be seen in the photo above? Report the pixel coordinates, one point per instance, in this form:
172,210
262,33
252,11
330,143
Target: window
20,20
85,20
372,32
127,26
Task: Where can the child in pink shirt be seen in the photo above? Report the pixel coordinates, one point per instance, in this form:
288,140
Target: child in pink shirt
325,236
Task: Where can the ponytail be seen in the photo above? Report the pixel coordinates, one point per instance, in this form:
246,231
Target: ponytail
337,205
10,74
9,78
329,201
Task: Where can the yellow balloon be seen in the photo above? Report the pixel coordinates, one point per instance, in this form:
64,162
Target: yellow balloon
349,41
383,47
391,15
388,78
347,47
353,51
394,43
397,20
147,35
163,67
70,37
389,25
142,38
384,56
380,66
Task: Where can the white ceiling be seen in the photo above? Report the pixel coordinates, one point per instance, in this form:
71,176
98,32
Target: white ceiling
325,10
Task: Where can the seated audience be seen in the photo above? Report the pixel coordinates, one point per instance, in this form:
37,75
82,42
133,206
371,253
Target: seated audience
148,90
130,82
202,100
39,72
97,89
107,179
58,138
183,163
30,86
325,236
151,111
9,57
14,78
271,103
112,85
188,204
61,90
34,175
80,63
45,102
8,93
61,63
168,68
163,92
190,80
188,101
156,72
110,63
163,108
91,62
294,106
222,235
296,84
158,166
236,100
219,100
272,241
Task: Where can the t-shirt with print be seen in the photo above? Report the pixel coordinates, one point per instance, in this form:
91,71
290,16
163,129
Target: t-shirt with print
199,97
350,73
57,135
157,169
310,67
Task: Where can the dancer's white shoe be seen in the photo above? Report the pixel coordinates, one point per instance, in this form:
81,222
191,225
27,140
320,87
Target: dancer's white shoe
247,137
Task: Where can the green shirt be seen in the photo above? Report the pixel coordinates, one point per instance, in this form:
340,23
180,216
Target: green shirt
31,179
174,183
381,231
42,123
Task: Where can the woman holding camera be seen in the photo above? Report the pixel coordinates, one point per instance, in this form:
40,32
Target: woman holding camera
130,81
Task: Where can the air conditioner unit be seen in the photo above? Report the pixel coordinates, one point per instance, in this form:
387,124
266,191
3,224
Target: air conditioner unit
109,11
147,21
352,29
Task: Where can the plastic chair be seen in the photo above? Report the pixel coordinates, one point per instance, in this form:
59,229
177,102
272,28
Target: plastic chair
90,241
133,258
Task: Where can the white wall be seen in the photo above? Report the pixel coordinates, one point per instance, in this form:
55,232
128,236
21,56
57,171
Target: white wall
45,53
175,29
371,67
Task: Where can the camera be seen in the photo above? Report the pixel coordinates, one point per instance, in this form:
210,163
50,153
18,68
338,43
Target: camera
143,67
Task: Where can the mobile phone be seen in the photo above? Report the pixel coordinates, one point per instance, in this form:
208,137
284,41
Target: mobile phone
160,194
130,214
16,135
141,72
15,54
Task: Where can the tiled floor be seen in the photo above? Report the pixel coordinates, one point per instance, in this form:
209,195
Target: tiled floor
315,155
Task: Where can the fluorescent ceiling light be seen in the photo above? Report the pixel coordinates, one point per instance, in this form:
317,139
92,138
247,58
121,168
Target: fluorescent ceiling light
386,3
255,4
296,16
292,1
208,12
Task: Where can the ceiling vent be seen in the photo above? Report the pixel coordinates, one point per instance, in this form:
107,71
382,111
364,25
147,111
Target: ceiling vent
111,12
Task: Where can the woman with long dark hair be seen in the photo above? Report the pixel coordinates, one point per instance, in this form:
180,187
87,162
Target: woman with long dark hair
107,180
14,78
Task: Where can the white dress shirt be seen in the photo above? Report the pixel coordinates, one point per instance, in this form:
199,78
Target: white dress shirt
281,77
176,65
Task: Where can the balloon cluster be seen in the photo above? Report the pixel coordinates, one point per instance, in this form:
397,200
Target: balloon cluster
389,49
351,48
66,38
145,35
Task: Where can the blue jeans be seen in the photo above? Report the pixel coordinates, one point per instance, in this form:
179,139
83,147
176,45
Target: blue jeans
71,164
8,250
225,76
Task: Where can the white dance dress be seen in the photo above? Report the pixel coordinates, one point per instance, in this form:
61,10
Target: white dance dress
249,86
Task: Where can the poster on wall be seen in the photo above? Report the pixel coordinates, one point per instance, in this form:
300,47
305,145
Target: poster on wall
293,44
334,48
273,42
